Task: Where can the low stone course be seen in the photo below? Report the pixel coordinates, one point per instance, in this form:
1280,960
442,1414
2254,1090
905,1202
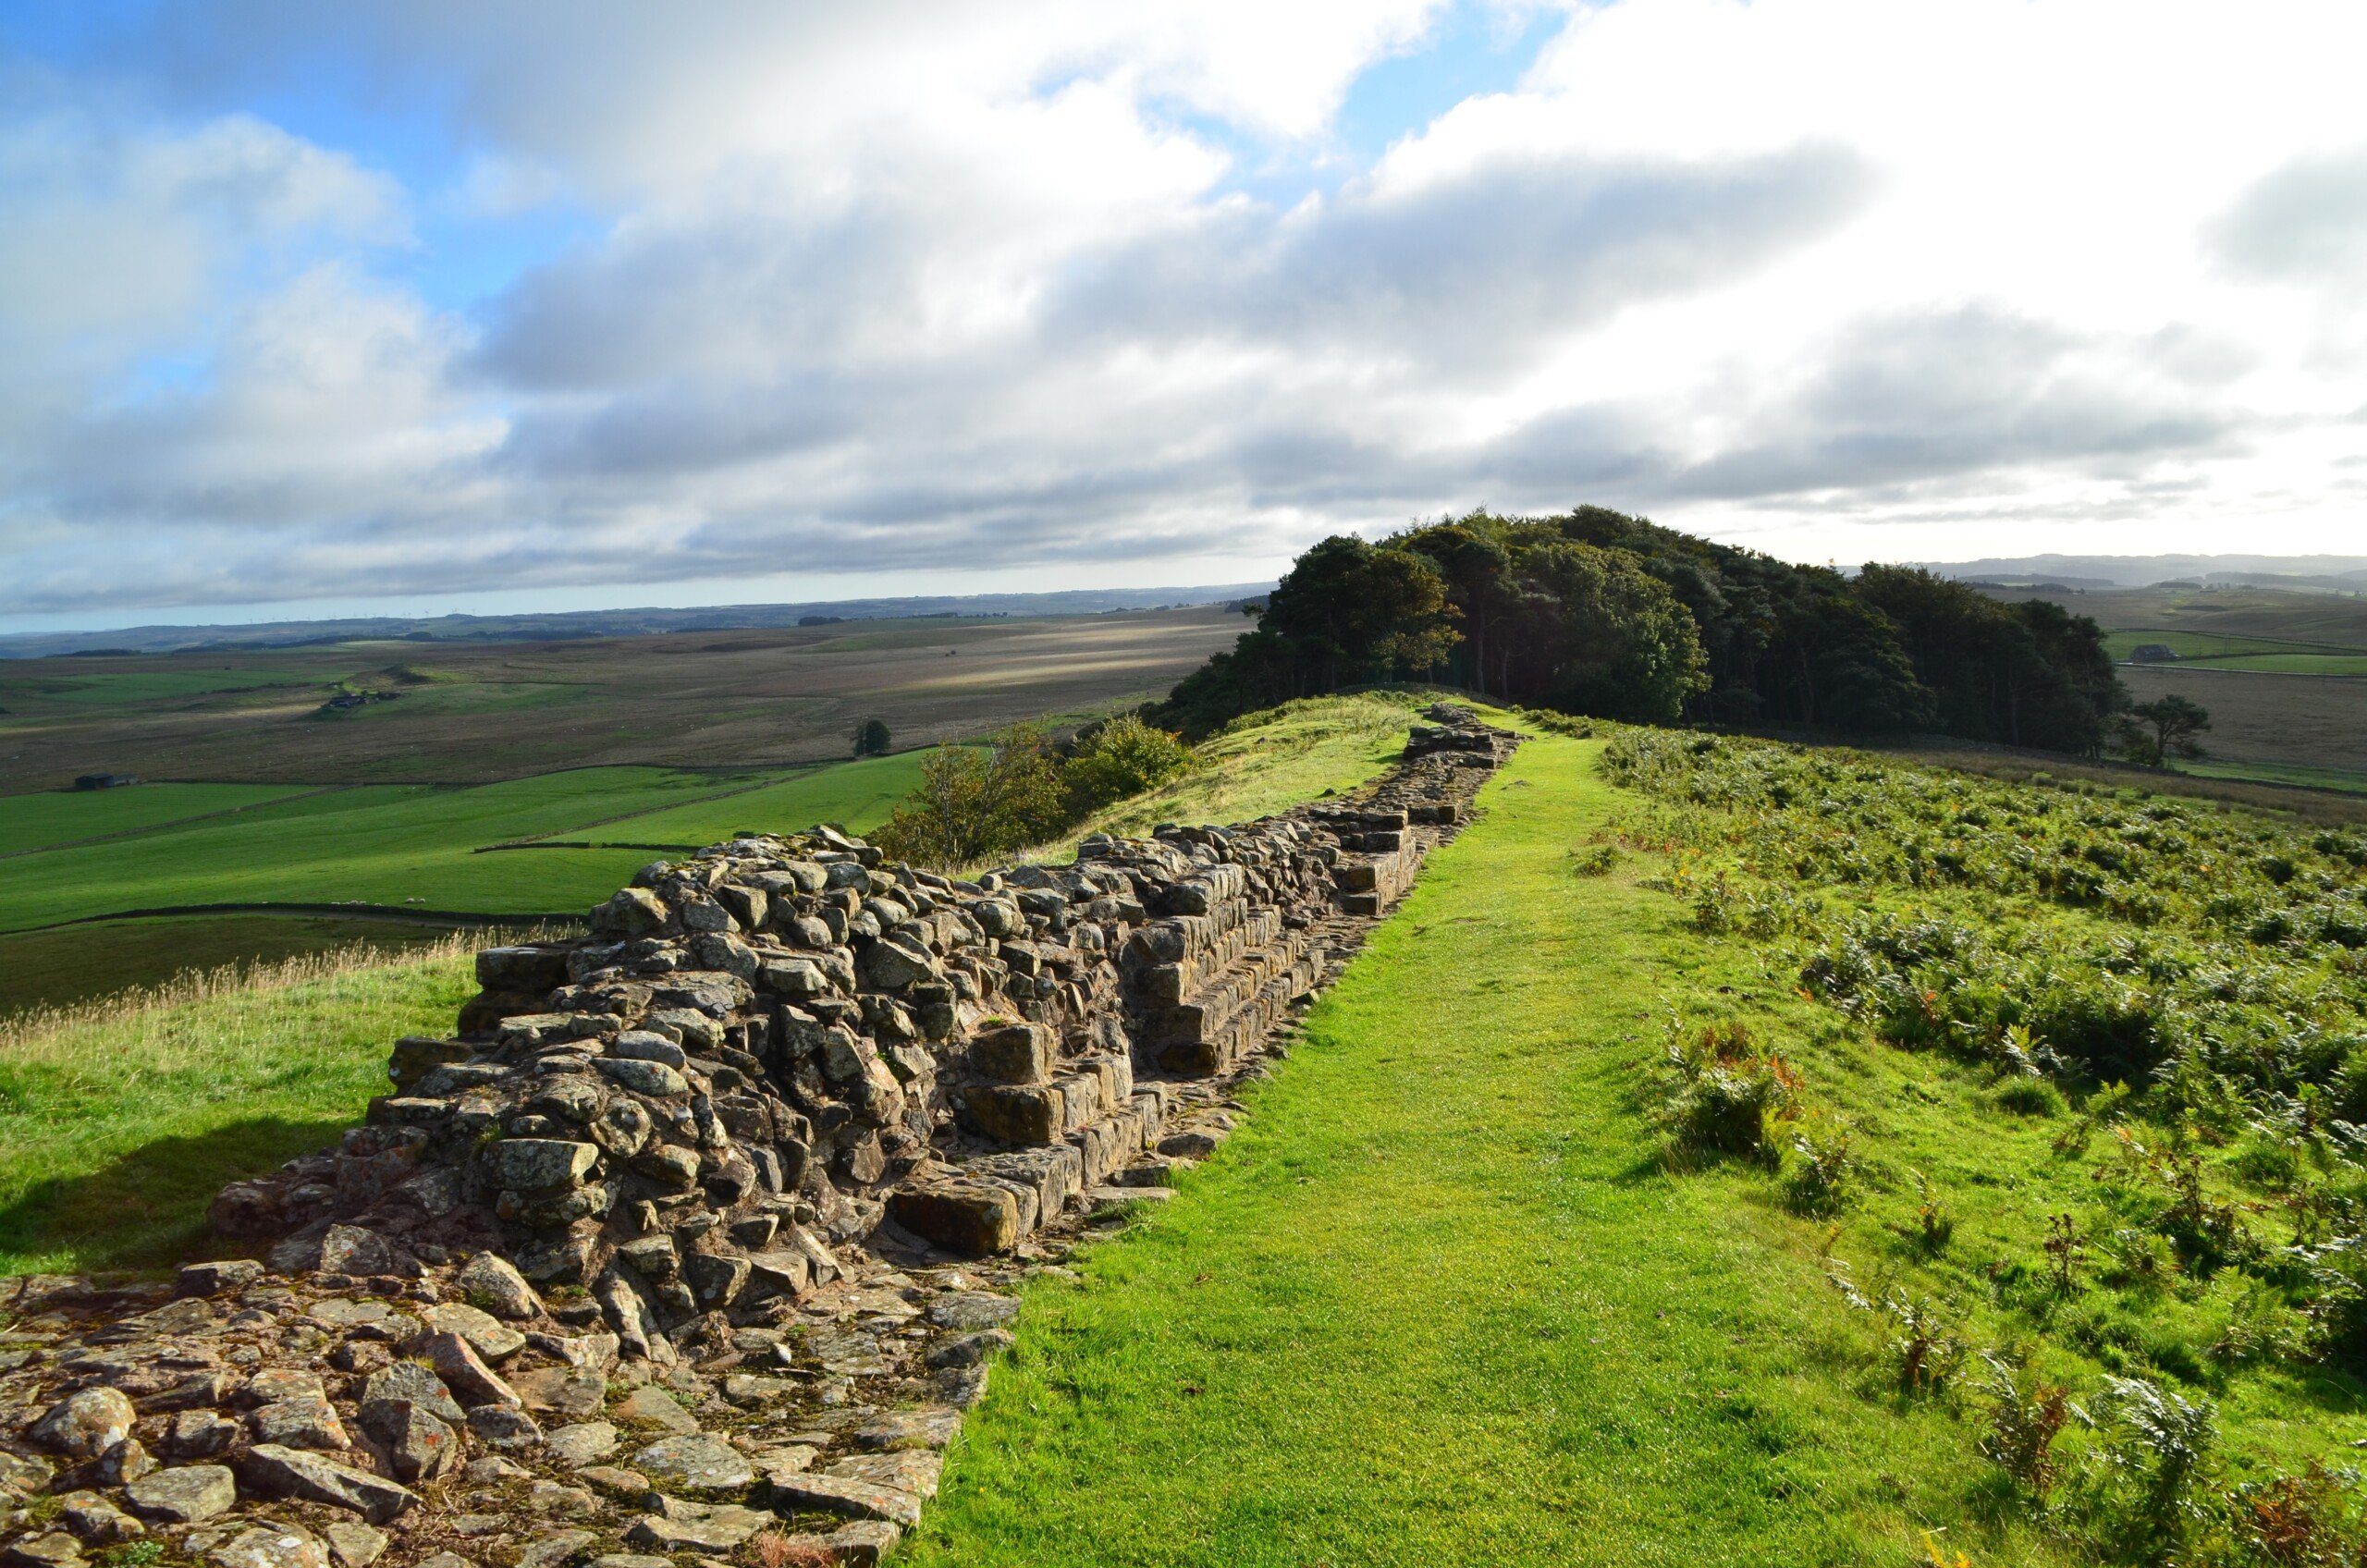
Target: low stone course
699,1226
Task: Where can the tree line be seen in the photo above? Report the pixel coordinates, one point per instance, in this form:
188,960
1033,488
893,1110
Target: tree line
1598,612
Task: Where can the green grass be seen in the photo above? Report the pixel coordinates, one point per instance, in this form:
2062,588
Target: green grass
1452,1295
1266,763
2277,773
856,796
63,816
384,844
119,1125
78,963
2185,644
2288,663
2219,648
1440,1303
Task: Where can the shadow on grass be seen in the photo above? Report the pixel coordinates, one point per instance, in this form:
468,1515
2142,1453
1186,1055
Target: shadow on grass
146,1210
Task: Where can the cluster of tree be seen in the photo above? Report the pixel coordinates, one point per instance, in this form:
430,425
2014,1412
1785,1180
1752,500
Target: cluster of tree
871,738
1512,607
1020,788
1599,612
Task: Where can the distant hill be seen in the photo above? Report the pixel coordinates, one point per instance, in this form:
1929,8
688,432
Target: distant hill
567,624
2320,573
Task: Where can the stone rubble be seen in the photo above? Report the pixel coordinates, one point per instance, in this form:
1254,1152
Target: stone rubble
701,1226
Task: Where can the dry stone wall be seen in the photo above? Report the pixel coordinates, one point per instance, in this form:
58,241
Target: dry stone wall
689,1229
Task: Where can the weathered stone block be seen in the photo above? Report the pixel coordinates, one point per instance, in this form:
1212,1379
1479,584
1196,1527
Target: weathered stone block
527,967
970,1218
540,1165
1018,1113
1015,1053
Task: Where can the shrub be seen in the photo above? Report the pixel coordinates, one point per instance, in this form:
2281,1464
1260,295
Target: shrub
976,802
2026,1415
2297,1521
1594,861
1818,1178
1935,1222
2337,1308
1923,1342
1727,1091
2155,1447
1120,759
2028,1097
2135,1258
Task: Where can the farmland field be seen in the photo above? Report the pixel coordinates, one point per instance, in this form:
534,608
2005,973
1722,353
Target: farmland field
476,713
2288,720
259,793
2290,662
404,846
65,817
856,796
2269,614
2279,672
384,844
2185,644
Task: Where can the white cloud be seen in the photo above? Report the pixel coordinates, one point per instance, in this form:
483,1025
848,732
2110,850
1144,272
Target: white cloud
926,287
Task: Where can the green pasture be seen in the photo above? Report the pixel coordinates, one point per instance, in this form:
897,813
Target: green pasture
2185,644
445,697
2288,663
2219,646
2339,778
385,844
63,817
855,796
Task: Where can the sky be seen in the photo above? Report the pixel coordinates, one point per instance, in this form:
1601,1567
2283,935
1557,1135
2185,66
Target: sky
394,306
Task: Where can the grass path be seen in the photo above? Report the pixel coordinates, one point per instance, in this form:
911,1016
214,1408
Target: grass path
1438,1303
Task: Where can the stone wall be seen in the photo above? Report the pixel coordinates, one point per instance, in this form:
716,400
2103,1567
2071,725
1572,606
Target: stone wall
772,1098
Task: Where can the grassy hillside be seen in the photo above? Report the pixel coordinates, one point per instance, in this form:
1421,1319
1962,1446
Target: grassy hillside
1729,1164
1439,1302
1266,761
119,1122
119,1119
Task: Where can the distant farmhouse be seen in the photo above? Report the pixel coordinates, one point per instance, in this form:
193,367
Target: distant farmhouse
2152,653
105,780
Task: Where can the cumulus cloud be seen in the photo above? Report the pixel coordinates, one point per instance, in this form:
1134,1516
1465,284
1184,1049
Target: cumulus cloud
1095,289
2305,220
